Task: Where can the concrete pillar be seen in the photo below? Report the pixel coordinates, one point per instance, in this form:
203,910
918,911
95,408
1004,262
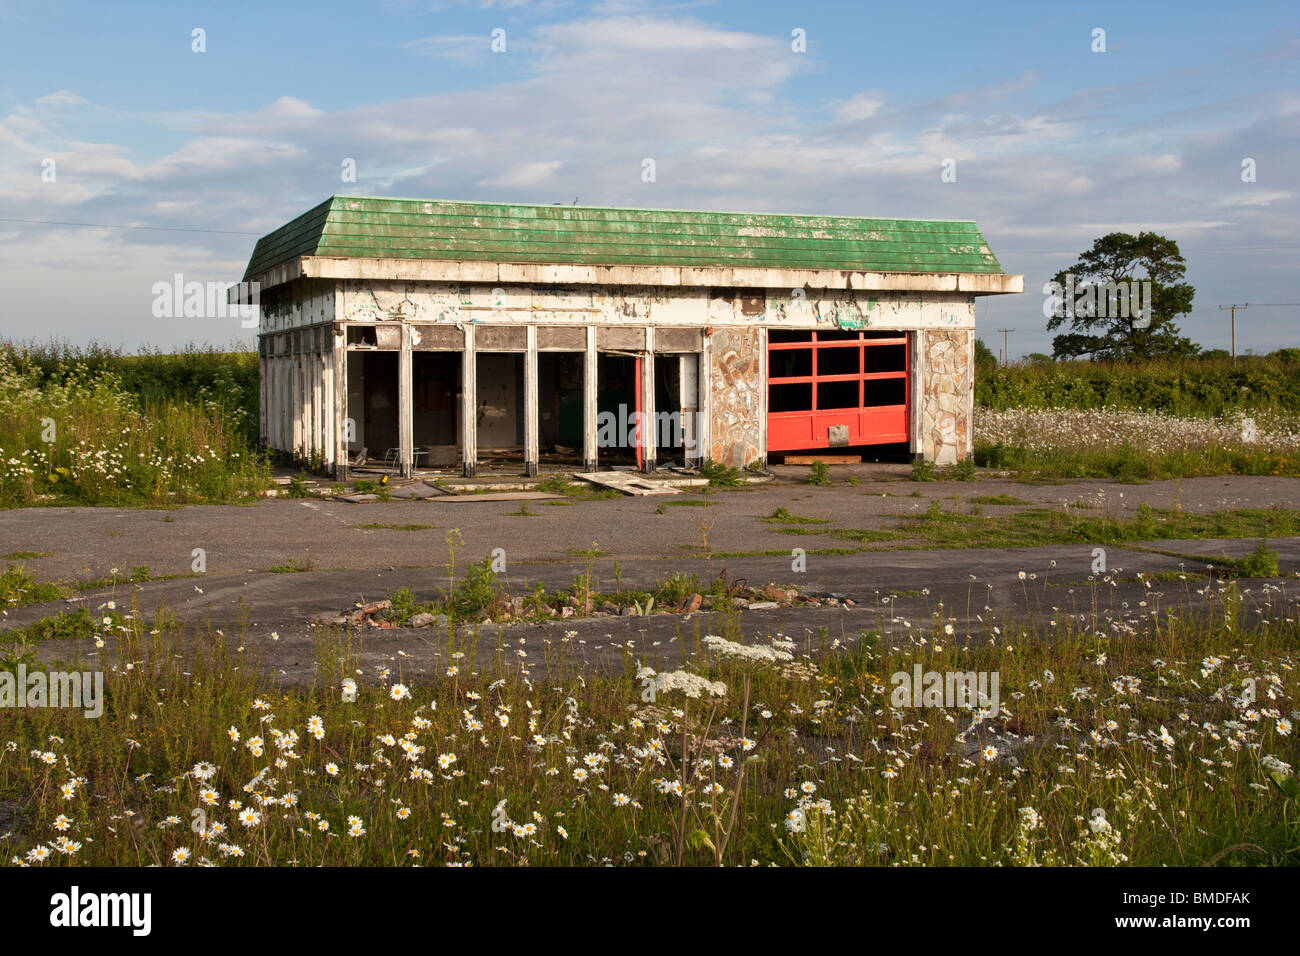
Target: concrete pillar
469,404
283,414
531,411
339,359
325,369
304,398
704,425
649,422
405,417
590,386
273,427
294,403
316,379
263,391
916,392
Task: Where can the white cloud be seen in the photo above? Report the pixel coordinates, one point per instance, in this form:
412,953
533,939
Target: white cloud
594,96
529,174
1255,197
460,49
860,106
62,98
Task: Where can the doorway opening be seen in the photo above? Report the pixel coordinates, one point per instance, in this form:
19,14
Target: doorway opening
618,378
435,409
676,408
499,416
560,392
372,405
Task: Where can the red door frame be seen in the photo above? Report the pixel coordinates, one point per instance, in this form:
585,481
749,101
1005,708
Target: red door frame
867,425
640,416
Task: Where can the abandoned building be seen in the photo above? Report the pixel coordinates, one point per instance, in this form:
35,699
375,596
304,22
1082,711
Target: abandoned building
456,335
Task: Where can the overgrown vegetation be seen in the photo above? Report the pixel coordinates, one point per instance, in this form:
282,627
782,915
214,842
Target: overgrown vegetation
1121,738
721,476
959,527
18,587
223,381
98,427
1191,387
558,484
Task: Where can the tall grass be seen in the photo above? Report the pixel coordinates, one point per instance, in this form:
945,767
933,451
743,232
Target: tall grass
224,381
74,433
1182,387
1141,421
1125,735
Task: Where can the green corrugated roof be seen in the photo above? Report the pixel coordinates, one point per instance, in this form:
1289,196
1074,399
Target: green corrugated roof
373,228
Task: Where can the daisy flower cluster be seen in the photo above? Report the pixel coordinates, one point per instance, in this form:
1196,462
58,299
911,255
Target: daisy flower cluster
1124,735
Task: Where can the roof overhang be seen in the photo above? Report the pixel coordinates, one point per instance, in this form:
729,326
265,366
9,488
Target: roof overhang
722,277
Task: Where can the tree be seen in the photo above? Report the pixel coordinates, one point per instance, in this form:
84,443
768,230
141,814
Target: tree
1120,300
985,361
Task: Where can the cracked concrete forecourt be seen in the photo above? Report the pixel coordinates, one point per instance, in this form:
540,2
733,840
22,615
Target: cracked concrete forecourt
361,553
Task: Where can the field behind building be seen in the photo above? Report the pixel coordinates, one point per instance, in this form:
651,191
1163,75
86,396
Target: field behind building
97,426
1158,419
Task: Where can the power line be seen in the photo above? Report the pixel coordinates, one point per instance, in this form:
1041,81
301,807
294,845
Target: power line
1233,309
109,225
232,232
1040,252
1006,348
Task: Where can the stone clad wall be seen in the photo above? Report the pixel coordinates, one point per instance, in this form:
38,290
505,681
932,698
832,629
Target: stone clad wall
947,395
736,434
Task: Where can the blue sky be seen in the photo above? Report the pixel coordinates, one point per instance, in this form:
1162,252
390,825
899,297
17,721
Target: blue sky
1054,144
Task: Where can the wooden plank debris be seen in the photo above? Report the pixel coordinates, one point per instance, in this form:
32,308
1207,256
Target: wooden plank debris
826,459
498,496
415,489
629,483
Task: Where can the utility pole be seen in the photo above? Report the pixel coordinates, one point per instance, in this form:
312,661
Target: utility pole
1006,351
1233,310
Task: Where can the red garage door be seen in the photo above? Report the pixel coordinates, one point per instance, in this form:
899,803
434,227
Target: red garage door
834,388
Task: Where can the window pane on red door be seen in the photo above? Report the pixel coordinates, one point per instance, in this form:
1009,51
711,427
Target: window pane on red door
839,361
886,358
837,395
789,363
790,398
885,391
